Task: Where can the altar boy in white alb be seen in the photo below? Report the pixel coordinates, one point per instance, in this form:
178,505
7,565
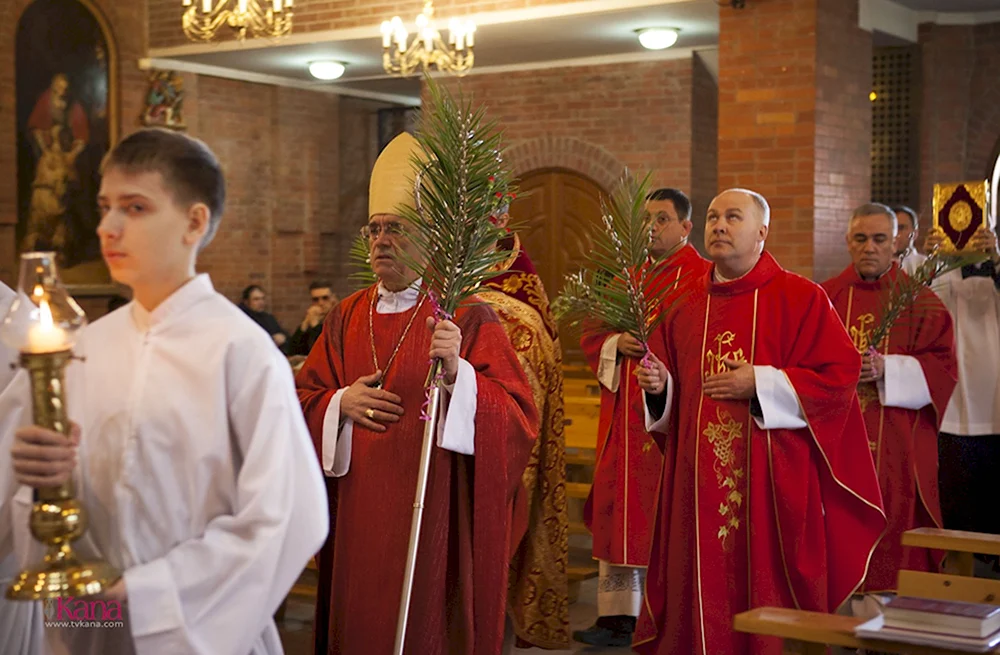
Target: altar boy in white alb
193,459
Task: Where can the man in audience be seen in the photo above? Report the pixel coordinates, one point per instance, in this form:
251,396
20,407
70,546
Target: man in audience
253,302
322,299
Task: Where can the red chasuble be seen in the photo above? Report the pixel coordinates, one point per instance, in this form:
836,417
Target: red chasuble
623,497
461,570
751,517
903,441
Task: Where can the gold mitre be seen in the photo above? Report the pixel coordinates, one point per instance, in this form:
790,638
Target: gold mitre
391,185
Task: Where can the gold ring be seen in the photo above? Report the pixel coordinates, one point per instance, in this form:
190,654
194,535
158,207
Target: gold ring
370,413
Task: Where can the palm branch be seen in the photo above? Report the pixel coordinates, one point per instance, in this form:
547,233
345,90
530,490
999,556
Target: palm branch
905,294
360,257
461,182
619,287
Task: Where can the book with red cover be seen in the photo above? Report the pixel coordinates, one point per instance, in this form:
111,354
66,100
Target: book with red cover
942,616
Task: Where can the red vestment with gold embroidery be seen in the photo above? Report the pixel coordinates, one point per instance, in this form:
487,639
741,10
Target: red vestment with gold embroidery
751,517
904,442
470,521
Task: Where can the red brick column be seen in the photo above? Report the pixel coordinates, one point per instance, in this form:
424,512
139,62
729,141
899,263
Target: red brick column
795,121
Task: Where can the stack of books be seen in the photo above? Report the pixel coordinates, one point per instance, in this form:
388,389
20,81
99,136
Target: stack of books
970,627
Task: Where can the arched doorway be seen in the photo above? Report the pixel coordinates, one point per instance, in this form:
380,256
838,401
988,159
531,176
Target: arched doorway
557,210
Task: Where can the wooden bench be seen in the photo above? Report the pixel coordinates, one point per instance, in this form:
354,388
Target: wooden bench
960,546
809,633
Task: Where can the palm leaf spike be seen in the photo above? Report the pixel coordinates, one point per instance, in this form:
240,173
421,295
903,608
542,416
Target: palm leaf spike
905,292
360,257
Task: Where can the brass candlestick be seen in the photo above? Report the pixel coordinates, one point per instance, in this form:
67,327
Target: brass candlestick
40,324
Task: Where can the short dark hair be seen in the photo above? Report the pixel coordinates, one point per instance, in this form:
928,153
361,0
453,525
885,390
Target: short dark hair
191,172
319,284
681,202
903,209
250,289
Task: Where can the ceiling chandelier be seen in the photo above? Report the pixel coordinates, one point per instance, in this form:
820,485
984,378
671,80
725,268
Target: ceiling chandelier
428,49
204,18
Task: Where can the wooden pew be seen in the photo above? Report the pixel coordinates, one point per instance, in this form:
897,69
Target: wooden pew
809,633
960,546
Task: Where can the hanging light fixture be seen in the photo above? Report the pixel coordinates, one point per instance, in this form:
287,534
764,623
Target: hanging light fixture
428,50
204,18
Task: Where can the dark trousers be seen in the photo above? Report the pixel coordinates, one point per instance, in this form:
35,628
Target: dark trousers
968,473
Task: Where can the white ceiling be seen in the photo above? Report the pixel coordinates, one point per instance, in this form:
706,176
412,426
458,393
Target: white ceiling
577,33
593,36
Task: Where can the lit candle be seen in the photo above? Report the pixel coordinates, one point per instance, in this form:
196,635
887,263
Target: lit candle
206,6
187,3
470,35
45,336
242,6
277,6
386,34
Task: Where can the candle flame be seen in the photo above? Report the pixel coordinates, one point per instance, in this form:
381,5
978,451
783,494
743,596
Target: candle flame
45,316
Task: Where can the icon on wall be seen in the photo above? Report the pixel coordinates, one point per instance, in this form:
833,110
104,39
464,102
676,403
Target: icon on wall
164,101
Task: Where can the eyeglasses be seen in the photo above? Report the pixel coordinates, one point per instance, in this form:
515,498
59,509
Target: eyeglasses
320,298
374,230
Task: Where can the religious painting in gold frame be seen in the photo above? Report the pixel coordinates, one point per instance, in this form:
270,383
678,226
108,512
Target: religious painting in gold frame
66,64
960,209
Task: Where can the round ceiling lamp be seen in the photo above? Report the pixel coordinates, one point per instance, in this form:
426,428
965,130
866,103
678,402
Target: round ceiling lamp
326,70
657,38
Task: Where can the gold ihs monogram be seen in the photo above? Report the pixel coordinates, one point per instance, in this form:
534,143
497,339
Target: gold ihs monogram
714,361
861,333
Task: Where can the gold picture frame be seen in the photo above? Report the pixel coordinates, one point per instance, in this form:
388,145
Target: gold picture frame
959,209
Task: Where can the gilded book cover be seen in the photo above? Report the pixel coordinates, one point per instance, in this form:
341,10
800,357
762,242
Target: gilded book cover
959,210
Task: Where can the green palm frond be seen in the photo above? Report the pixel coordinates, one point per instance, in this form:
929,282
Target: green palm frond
459,186
619,287
360,257
905,294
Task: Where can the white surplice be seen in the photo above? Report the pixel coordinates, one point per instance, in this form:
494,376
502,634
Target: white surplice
20,623
974,304
198,475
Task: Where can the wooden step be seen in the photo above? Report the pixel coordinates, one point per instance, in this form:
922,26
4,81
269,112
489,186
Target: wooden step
581,573
583,457
578,527
577,489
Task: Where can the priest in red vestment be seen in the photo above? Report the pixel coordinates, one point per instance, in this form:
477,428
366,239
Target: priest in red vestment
623,497
770,496
904,390
362,391
538,595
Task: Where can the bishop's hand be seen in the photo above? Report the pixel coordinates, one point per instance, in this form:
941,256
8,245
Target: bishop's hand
369,407
446,342
737,383
43,457
653,378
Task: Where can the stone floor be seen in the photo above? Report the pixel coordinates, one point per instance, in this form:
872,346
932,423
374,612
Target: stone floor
296,628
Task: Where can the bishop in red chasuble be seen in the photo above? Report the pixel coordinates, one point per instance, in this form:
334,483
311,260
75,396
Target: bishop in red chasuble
362,391
622,504
770,496
905,387
538,596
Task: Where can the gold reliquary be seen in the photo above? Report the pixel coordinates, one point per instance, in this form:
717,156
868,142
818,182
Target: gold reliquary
959,210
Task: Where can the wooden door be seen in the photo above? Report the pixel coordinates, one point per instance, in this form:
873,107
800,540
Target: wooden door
556,211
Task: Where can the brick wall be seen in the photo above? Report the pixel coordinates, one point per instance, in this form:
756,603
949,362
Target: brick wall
843,131
704,147
318,15
792,126
595,120
960,109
